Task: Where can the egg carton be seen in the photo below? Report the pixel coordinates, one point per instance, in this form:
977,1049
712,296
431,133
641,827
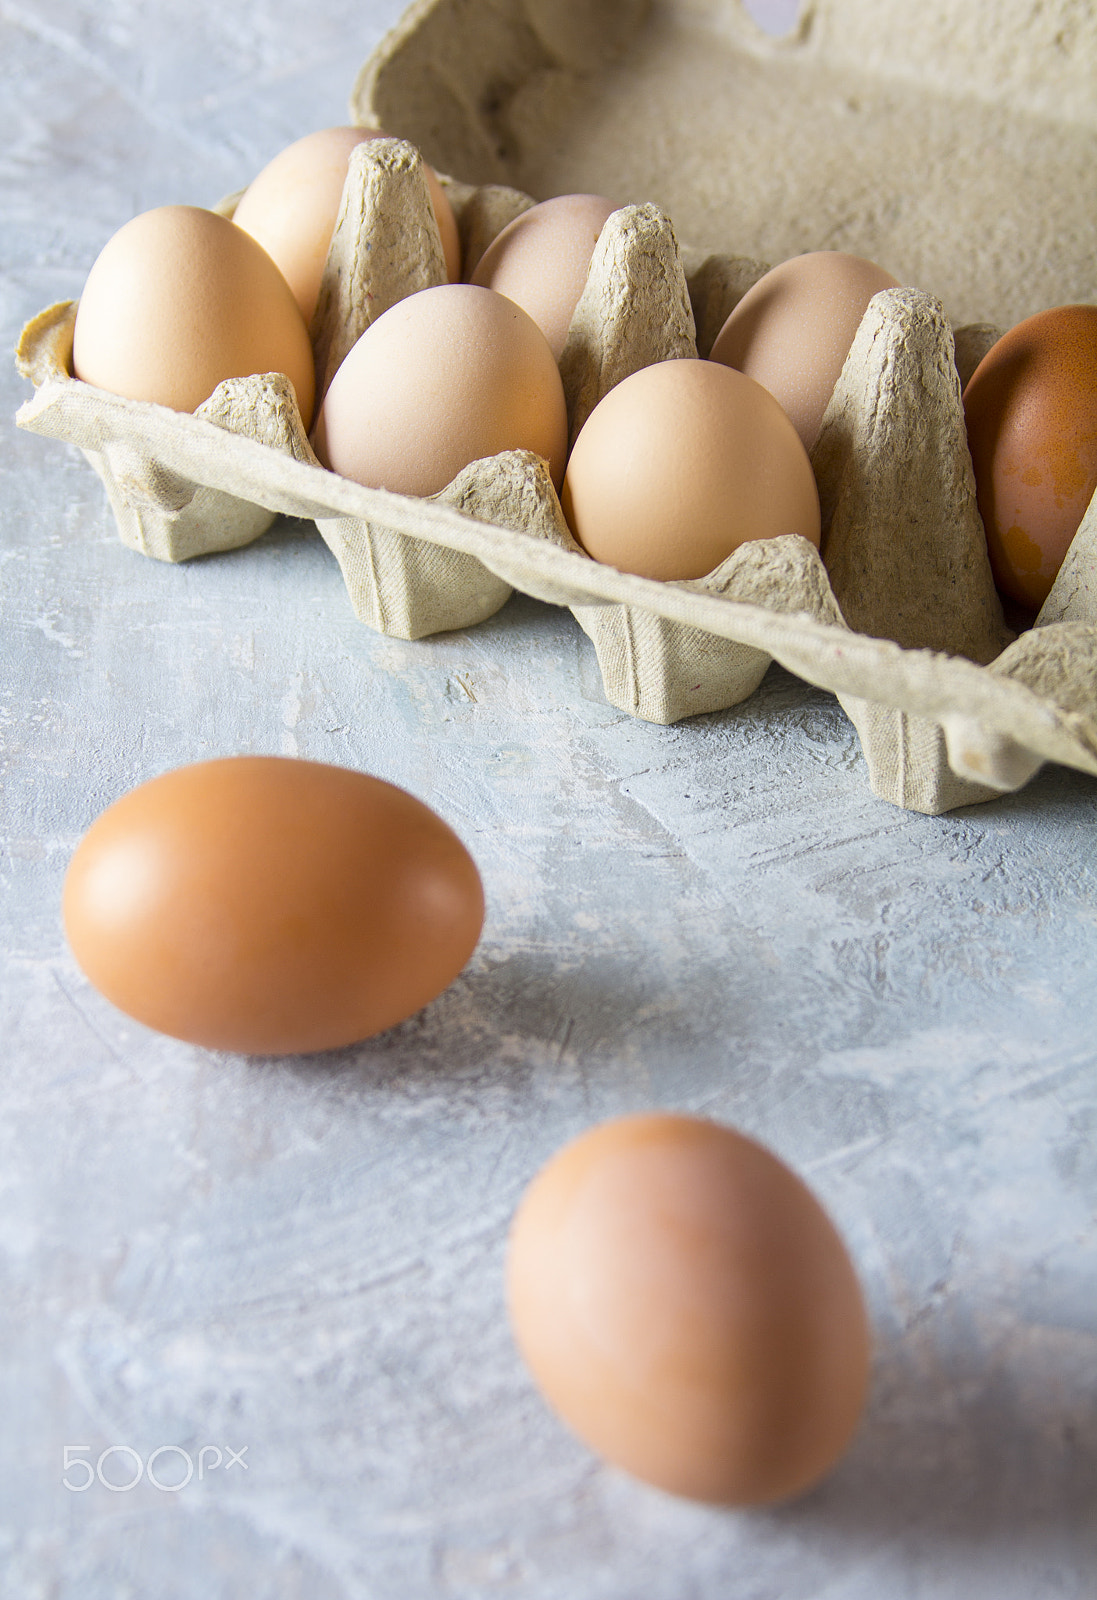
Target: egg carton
899,618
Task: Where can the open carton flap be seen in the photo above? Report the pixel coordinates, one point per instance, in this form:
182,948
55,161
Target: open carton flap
949,143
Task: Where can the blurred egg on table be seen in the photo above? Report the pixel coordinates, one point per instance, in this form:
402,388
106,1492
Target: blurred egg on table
686,1306
680,464
271,905
1031,410
443,378
292,206
180,299
541,260
792,330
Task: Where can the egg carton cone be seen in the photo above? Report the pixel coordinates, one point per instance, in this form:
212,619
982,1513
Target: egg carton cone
751,150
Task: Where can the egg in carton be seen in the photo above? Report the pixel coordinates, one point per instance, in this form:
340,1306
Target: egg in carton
900,620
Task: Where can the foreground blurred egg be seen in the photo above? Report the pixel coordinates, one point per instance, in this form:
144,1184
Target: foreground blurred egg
686,1306
541,260
292,206
1031,409
270,905
682,463
792,331
445,377
178,301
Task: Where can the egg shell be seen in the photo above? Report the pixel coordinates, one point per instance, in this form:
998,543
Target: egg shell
793,329
682,463
445,377
180,299
686,1306
1031,410
541,260
270,905
291,207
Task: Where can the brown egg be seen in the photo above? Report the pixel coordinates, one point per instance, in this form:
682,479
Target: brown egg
443,378
1031,408
270,905
792,330
178,301
686,1306
541,260
292,207
682,463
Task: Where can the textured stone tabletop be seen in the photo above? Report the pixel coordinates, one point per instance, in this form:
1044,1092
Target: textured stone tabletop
298,1263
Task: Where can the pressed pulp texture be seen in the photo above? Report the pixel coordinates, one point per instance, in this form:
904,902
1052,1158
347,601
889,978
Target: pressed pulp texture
906,558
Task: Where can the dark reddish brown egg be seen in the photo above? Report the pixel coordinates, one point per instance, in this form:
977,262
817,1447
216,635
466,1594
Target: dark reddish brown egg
1031,408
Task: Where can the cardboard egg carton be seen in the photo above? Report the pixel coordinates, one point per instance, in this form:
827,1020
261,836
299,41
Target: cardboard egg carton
899,618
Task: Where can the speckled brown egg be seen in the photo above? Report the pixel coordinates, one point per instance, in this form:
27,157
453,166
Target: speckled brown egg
792,330
271,905
292,206
687,1307
1031,409
541,260
179,300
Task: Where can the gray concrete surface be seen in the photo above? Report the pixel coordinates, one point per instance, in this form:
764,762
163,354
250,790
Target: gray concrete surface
300,1261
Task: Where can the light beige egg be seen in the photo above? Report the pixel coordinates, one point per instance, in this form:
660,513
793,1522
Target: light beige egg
292,206
682,463
445,377
179,300
792,331
541,260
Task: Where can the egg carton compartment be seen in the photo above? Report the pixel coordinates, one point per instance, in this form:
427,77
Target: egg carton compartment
902,621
